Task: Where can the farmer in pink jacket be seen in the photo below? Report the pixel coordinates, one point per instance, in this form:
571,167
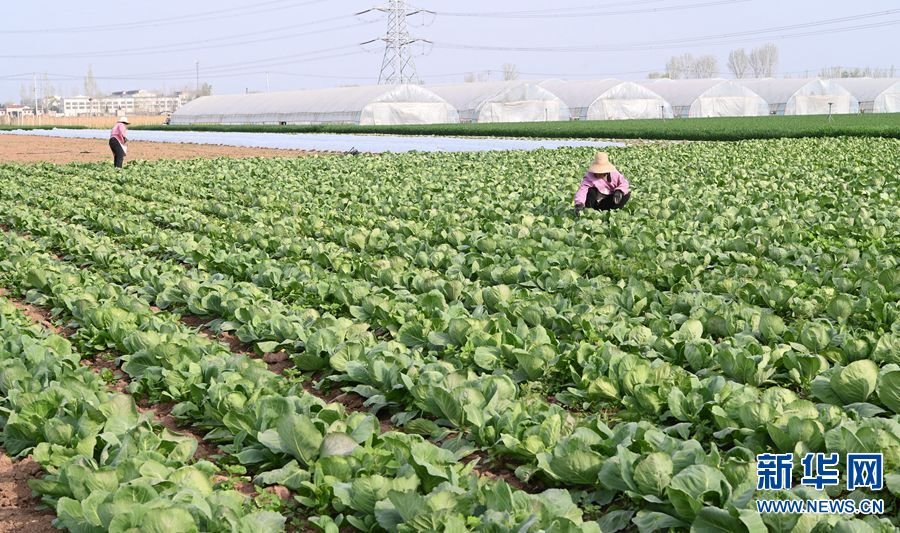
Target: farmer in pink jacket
603,187
118,141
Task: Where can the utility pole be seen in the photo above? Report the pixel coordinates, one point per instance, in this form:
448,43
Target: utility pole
34,108
397,65
197,90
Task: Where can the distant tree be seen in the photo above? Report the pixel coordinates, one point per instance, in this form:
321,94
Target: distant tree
52,103
510,72
738,62
705,67
91,89
657,75
679,67
688,66
856,72
472,77
205,89
26,95
764,60
47,92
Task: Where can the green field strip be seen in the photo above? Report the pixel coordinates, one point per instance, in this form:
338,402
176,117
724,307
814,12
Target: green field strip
681,357
107,466
664,377
237,427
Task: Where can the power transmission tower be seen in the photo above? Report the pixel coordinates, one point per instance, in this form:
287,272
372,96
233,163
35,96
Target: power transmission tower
397,66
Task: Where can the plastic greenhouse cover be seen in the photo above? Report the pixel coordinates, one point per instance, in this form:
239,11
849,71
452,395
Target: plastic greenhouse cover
609,99
779,91
326,141
474,101
868,89
686,92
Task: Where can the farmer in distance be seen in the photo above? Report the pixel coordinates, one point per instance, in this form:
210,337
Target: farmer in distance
118,141
603,187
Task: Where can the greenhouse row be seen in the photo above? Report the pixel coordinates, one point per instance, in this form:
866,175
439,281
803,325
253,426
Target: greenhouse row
548,100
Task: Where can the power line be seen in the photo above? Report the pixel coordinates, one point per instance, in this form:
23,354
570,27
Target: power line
594,5
180,19
596,75
243,72
791,26
239,67
719,38
373,79
245,68
543,14
202,45
222,70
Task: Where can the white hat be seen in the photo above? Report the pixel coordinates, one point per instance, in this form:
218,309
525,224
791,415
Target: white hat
601,164
124,119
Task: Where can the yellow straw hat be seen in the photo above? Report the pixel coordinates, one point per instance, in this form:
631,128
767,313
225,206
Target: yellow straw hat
601,164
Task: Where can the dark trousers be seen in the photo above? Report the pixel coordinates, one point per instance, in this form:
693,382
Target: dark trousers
118,152
602,202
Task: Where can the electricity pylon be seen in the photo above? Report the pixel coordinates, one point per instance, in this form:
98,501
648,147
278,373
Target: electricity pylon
397,66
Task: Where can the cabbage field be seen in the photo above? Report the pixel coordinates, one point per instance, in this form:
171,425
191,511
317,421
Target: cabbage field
433,342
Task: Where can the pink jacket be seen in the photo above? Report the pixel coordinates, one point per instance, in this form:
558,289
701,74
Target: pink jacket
119,132
616,182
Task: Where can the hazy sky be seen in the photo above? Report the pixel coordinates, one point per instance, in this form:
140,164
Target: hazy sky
291,44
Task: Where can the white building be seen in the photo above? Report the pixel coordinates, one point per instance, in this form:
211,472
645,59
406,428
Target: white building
125,102
80,105
15,111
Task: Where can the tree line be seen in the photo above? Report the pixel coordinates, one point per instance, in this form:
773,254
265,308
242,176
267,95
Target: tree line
759,62
42,93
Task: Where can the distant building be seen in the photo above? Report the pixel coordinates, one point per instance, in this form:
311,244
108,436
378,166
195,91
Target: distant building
80,105
14,111
137,102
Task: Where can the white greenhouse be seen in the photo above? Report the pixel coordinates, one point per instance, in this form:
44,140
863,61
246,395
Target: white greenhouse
803,96
708,98
369,105
510,101
875,95
609,99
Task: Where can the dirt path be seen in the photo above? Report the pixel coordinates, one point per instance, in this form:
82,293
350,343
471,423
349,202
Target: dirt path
18,511
31,149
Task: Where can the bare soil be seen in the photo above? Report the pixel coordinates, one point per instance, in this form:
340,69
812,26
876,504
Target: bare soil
32,149
18,508
276,362
32,312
